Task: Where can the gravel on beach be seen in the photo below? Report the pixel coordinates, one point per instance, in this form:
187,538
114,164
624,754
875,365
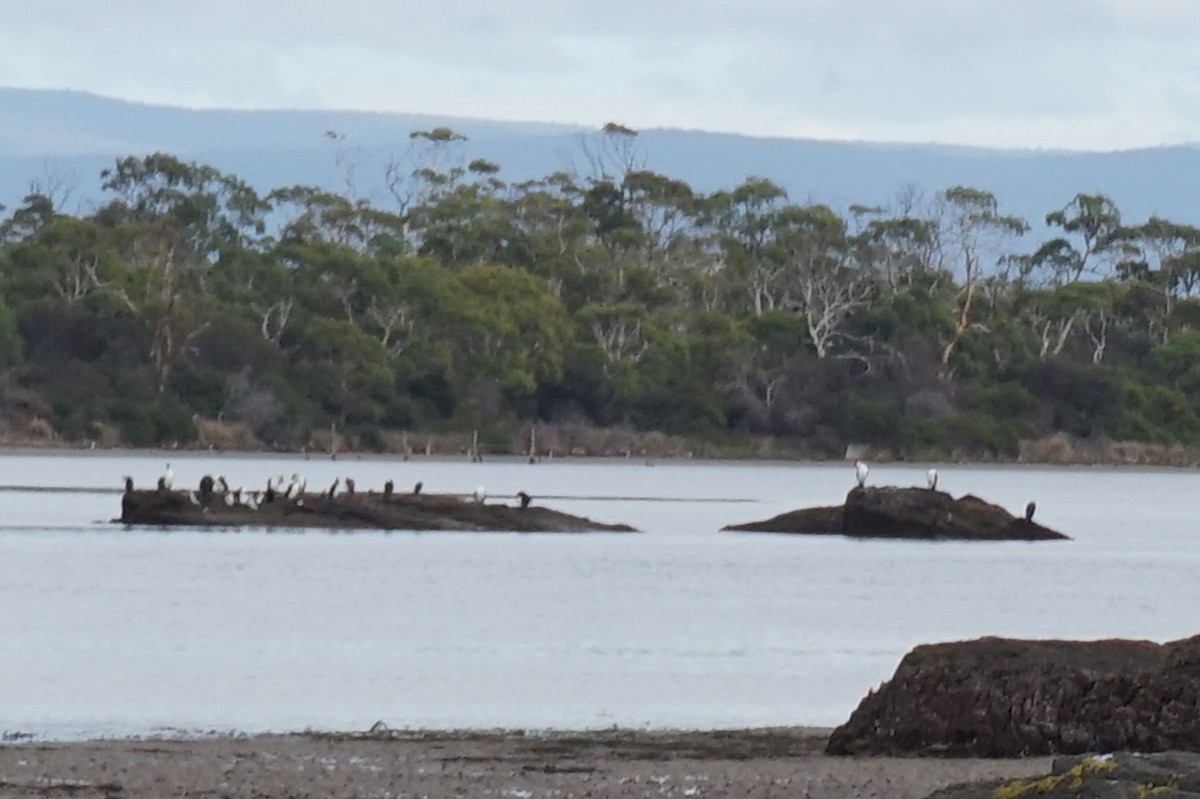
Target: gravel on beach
783,762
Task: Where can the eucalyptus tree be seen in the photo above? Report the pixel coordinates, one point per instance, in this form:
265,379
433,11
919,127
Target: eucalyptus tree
972,237
172,219
821,283
1162,269
507,330
743,221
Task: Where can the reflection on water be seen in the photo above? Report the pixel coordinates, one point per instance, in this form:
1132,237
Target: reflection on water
110,631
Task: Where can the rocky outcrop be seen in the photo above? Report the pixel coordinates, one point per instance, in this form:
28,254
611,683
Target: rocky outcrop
343,512
997,697
915,513
1123,775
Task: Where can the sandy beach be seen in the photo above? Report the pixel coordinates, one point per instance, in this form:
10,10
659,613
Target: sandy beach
787,762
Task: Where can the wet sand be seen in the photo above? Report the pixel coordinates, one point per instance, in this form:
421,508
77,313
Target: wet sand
787,762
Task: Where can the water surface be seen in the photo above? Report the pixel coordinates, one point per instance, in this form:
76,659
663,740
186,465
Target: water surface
108,631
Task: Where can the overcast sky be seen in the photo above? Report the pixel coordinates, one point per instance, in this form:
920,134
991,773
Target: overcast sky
1079,74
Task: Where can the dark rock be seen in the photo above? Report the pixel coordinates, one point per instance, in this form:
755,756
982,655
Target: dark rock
360,511
913,513
1122,775
997,697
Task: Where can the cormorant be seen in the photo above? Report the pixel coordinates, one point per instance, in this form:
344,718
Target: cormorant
417,488
350,486
525,499
128,484
206,487
1029,510
388,488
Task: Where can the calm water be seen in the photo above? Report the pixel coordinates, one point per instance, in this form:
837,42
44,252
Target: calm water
109,632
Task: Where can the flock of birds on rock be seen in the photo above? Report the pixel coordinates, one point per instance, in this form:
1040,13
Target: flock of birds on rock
292,490
862,471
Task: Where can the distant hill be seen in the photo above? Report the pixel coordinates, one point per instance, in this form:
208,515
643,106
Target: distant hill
68,137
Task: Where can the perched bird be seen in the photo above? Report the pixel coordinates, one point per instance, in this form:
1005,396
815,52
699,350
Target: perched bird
333,488
222,486
350,486
479,495
1029,511
295,488
417,488
861,470
273,484
128,484
931,478
388,488
168,478
206,487
525,499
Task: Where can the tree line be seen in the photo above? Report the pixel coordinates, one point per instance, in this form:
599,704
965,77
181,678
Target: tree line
618,297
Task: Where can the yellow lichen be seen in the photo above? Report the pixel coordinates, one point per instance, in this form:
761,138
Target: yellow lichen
1072,777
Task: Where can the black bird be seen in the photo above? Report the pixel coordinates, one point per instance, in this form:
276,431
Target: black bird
333,488
128,484
417,488
350,486
206,488
525,499
388,488
1029,509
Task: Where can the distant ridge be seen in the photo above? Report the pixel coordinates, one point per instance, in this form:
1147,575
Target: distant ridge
70,136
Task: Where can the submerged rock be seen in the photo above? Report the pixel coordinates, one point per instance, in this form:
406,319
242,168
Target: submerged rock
345,512
916,513
997,697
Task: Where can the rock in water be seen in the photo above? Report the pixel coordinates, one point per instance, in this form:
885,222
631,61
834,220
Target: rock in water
912,513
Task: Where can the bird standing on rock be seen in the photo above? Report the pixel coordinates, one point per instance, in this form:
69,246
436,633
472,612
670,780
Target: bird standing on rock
167,479
861,470
1029,511
931,477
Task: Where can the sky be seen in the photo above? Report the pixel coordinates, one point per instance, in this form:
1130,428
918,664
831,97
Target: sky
1040,74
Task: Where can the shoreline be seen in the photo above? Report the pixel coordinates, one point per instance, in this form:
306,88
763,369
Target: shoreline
384,762
521,459
587,443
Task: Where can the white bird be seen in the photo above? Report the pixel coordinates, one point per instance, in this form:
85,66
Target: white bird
931,478
861,470
479,495
168,478
295,488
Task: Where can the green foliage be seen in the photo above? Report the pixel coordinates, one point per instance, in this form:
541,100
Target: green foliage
623,298
152,424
